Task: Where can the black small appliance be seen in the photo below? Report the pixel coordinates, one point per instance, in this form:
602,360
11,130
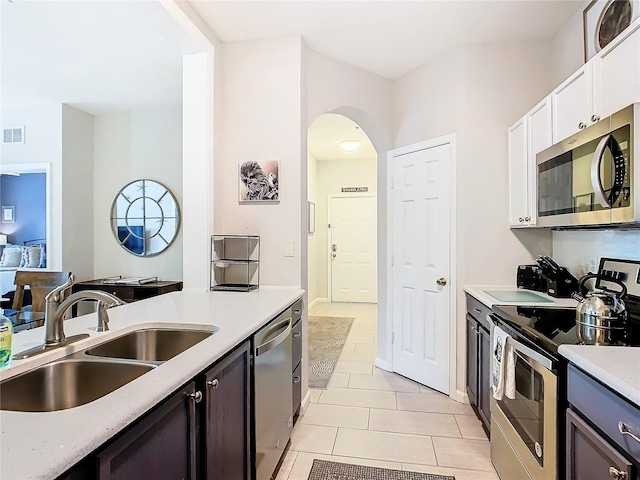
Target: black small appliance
560,283
530,277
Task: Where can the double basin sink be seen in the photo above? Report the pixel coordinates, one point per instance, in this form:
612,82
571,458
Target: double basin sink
93,373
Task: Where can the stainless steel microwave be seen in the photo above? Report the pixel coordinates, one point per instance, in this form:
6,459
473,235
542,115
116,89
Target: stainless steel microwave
591,177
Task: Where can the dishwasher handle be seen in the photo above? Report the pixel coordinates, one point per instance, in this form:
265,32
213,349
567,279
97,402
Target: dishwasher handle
278,339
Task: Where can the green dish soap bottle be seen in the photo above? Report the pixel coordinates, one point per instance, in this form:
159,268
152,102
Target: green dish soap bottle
6,331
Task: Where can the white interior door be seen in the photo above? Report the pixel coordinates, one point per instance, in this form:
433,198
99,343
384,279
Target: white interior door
352,248
420,204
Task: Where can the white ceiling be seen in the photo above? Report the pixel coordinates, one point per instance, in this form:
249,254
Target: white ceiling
328,130
98,56
388,37
105,56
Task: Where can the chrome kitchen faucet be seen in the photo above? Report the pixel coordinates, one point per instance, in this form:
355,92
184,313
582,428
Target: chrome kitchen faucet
55,309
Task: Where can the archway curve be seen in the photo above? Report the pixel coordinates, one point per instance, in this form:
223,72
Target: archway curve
382,144
377,136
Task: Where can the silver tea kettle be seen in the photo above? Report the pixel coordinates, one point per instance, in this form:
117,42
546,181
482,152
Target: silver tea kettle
601,315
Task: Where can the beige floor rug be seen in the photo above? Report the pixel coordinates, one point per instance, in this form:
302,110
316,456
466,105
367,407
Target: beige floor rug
327,336
323,470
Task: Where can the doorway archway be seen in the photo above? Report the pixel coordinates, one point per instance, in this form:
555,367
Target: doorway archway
381,144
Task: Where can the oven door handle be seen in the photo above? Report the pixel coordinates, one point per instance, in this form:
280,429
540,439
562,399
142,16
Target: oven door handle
529,355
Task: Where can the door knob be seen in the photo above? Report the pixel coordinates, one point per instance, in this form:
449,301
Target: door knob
441,282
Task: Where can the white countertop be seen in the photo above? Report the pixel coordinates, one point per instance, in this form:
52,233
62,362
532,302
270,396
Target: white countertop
616,367
45,445
479,292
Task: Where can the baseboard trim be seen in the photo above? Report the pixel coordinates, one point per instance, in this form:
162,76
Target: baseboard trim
306,401
318,300
459,396
382,364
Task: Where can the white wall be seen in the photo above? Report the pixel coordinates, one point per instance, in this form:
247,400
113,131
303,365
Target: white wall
477,93
333,86
567,50
262,119
581,251
429,101
332,175
312,238
43,144
77,193
130,146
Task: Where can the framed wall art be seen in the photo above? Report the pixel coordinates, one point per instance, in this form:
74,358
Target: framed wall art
259,181
311,218
8,214
604,20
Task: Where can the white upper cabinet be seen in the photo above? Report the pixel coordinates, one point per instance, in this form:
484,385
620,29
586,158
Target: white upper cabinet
529,136
616,74
572,104
518,177
540,137
607,83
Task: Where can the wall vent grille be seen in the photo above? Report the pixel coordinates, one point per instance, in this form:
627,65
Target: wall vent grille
13,135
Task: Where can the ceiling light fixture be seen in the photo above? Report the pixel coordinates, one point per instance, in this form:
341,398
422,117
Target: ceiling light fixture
350,145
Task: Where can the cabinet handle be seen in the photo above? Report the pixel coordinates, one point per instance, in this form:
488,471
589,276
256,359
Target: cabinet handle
616,474
297,311
196,397
213,383
296,379
296,334
526,219
582,125
595,118
193,399
624,430
477,310
521,219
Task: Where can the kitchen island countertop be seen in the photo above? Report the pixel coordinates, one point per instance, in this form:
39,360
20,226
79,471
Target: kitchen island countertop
45,445
616,367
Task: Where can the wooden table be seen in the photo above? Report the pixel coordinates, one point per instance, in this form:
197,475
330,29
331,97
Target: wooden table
130,293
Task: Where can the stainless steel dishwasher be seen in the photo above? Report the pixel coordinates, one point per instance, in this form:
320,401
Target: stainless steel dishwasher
273,404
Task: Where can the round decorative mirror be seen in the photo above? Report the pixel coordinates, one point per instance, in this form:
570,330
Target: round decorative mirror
145,218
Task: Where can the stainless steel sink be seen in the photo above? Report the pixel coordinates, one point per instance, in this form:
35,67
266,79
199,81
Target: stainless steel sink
66,384
151,345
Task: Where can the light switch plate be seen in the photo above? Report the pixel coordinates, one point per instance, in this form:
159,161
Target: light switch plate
290,251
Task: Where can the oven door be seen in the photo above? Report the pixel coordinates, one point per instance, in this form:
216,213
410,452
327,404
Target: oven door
529,421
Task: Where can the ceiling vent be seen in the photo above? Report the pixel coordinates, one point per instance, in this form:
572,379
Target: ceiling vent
13,135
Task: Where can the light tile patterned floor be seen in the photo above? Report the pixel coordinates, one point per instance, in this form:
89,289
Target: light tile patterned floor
371,417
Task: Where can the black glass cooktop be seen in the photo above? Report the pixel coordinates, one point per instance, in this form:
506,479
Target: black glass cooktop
550,327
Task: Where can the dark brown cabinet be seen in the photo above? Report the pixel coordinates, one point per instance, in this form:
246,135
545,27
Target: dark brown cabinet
600,431
591,457
130,293
227,417
202,431
161,445
479,360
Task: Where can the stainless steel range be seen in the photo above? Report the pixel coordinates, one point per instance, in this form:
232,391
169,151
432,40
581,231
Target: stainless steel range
525,431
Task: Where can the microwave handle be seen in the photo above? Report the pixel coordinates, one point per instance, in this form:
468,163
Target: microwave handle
596,182
618,175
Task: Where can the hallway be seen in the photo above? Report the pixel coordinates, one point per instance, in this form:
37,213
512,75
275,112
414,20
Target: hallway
373,417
